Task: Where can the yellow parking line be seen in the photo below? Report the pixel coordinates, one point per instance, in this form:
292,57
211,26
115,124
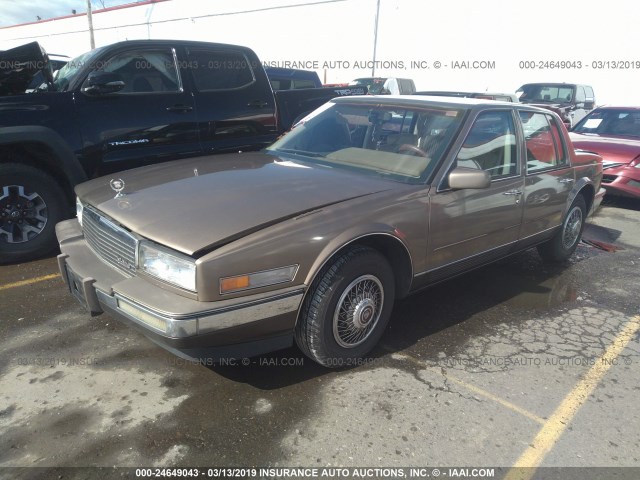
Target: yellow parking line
30,281
525,467
501,401
473,388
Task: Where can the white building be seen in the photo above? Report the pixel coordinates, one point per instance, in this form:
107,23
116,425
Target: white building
494,45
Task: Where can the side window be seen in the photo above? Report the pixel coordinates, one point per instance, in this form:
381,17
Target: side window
218,70
279,84
145,71
589,93
541,140
491,145
580,95
297,84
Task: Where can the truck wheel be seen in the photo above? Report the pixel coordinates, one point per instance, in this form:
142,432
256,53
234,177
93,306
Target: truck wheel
562,245
347,308
31,203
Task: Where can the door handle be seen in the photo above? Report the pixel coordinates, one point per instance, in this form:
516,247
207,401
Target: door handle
258,104
515,193
180,108
566,180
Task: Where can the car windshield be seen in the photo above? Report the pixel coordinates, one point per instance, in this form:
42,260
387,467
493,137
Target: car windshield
397,142
624,123
546,93
66,73
374,85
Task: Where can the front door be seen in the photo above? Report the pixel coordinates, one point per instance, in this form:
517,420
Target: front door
151,119
470,227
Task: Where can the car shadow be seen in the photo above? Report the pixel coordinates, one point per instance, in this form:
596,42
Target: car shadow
621,202
600,234
36,258
274,370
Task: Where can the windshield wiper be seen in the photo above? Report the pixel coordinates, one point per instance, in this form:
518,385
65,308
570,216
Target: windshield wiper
300,152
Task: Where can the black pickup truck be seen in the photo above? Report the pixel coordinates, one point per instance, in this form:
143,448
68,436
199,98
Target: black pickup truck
122,106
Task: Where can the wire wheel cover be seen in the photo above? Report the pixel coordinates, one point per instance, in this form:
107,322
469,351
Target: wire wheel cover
572,227
358,311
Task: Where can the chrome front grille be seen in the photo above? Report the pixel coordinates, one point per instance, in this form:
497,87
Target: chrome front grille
109,241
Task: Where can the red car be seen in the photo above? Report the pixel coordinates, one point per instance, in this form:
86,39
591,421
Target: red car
614,133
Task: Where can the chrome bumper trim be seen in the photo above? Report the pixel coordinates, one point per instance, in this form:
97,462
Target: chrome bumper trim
207,321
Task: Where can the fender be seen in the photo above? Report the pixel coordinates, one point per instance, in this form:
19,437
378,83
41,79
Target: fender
65,160
346,239
578,187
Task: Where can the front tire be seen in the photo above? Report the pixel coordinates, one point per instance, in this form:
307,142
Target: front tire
562,245
31,203
347,308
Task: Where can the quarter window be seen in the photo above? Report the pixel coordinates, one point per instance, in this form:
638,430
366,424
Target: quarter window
220,70
491,145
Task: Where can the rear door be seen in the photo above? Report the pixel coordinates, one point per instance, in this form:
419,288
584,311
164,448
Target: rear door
549,176
151,119
235,104
470,227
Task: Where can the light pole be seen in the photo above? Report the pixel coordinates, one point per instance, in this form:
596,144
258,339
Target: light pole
90,19
375,40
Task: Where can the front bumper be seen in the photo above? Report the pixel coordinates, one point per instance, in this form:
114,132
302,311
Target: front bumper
191,329
618,184
597,200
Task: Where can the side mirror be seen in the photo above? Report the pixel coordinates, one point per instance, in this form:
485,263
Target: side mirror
463,178
100,83
589,104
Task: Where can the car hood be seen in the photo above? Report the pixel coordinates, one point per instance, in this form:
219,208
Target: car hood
201,203
612,149
19,65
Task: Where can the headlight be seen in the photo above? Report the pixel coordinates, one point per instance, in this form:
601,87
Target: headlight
79,209
258,279
167,265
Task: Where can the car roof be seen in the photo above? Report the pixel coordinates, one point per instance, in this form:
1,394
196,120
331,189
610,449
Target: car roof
617,107
184,43
557,84
455,93
422,100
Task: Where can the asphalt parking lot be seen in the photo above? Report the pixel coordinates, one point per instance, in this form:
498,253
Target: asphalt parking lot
516,364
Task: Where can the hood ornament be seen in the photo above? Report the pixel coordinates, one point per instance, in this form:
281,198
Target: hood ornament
117,186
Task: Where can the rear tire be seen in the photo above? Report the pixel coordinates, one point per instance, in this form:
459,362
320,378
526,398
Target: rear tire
31,203
347,308
562,245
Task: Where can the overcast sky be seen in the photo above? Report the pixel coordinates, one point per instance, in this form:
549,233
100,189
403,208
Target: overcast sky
13,12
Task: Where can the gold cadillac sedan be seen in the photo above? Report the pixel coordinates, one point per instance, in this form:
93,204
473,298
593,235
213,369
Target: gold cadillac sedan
366,200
